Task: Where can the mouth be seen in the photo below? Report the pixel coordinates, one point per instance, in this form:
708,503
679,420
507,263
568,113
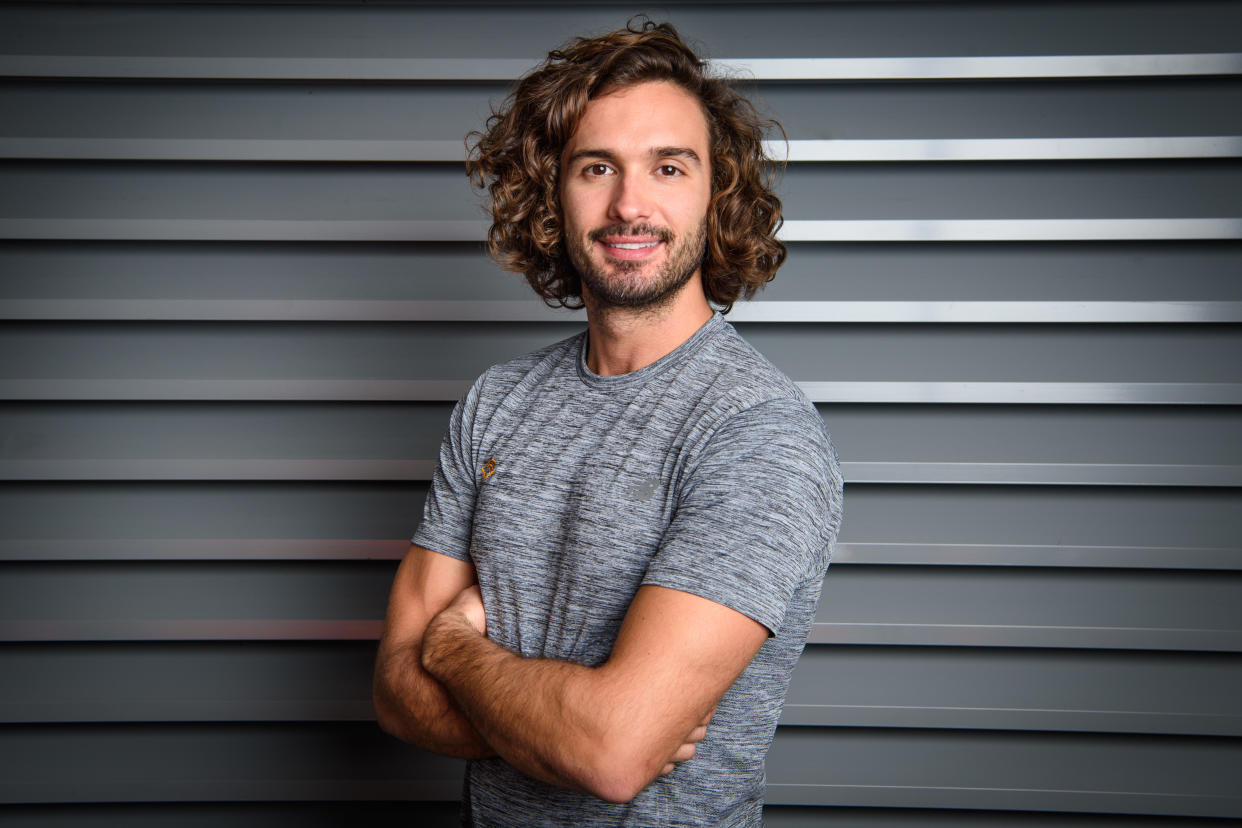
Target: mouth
629,250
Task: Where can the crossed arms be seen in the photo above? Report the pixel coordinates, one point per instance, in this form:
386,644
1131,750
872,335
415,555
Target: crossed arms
606,730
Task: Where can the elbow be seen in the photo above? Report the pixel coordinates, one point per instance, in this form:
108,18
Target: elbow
619,773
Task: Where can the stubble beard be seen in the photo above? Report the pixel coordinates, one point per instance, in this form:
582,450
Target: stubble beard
623,287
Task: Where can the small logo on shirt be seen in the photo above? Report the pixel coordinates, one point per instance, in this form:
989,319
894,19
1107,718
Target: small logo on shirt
643,489
489,468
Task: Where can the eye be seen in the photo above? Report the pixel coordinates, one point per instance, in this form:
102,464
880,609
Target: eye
668,170
598,169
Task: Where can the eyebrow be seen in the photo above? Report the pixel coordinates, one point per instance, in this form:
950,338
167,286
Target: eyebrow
655,152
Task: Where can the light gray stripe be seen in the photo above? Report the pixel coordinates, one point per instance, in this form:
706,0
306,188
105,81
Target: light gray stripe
77,788
1007,149
201,549
1020,393
986,718
214,468
1043,474
1007,393
844,230
1003,799
344,310
233,389
800,715
923,473
503,69
185,629
954,635
157,229
1000,635
989,66
796,151
1122,557
1084,229
348,549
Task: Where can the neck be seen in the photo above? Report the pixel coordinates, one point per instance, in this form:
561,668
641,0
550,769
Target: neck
623,340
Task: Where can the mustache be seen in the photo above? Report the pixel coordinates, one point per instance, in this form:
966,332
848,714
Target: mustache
661,233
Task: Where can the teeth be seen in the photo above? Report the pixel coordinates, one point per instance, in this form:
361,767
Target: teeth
629,246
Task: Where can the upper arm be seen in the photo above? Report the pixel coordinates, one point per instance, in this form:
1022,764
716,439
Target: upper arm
426,582
675,656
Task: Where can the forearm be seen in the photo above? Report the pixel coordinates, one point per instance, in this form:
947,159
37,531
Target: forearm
413,706
549,719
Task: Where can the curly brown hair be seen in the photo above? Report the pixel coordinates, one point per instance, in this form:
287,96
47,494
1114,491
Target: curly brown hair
517,160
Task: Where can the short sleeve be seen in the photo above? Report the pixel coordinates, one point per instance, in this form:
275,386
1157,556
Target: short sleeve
448,513
757,514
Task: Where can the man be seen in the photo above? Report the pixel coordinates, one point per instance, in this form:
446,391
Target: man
626,535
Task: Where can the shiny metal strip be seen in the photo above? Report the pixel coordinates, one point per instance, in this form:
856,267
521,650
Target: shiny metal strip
989,66
201,549
1020,393
844,230
847,553
994,718
1001,635
1036,229
796,151
1006,149
1042,474
344,310
1039,393
956,635
1111,557
507,69
899,473
1004,799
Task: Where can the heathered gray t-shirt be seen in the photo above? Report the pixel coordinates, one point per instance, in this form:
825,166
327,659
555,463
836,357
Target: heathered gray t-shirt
707,471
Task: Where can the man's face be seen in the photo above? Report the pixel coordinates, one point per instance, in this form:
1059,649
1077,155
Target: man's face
635,183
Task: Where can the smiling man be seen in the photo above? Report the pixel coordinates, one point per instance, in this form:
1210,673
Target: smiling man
627,531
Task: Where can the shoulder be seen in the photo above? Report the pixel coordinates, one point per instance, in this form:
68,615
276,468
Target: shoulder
503,377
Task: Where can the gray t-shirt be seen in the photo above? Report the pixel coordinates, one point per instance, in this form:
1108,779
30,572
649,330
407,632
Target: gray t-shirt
708,472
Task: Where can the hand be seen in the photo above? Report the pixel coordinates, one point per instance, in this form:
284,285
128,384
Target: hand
469,603
687,749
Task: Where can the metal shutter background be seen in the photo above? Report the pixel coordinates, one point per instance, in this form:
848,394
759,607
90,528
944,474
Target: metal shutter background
241,285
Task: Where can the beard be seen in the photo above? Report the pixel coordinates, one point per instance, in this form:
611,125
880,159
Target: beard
622,284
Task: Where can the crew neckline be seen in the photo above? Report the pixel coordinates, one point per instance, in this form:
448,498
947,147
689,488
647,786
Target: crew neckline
673,357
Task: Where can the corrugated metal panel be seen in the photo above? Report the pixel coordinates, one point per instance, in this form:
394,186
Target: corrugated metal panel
233,317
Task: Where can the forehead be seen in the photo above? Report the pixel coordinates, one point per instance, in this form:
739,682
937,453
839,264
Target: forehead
639,117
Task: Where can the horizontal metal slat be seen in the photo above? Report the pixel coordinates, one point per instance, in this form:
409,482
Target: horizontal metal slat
922,635
847,553
796,151
799,230
845,230
342,310
246,469
763,69
1020,799
1017,393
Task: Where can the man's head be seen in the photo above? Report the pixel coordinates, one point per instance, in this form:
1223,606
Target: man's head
621,163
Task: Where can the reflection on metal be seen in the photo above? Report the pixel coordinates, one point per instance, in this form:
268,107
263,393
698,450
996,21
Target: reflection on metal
507,69
868,553
796,151
1034,229
1043,474
1002,799
202,549
1110,557
833,230
242,469
998,66
1004,718
189,629
1001,635
1037,393
346,310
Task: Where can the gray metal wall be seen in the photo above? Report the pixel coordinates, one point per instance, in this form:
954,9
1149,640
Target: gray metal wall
241,286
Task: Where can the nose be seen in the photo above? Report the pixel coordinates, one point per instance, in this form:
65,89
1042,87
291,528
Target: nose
631,198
